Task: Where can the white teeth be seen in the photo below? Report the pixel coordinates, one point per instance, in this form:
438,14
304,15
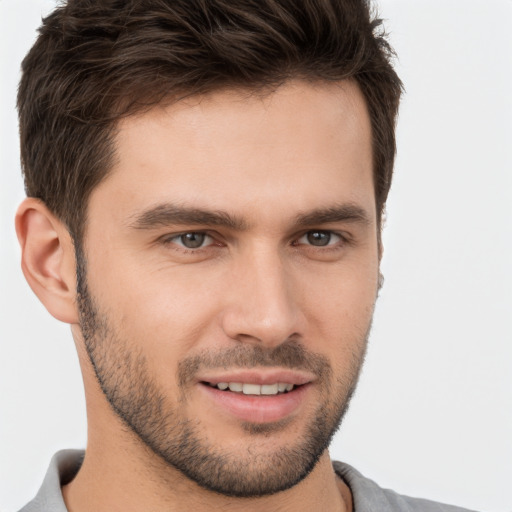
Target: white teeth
251,389
269,389
255,389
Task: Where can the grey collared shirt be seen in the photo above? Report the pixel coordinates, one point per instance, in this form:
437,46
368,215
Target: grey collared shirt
366,494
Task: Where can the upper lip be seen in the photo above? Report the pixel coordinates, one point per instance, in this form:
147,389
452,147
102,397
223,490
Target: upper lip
258,376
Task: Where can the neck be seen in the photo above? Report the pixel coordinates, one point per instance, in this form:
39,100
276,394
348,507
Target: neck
114,478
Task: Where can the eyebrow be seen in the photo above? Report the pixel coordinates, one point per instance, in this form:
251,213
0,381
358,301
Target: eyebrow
169,214
338,213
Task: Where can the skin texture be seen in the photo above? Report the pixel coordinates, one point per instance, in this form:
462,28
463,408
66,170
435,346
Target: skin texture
154,319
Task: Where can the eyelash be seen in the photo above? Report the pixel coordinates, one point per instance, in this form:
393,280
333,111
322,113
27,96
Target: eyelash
172,240
329,245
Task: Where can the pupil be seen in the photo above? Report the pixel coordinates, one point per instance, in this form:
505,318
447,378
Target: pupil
192,240
319,238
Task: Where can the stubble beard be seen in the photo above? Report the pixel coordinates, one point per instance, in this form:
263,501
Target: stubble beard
129,387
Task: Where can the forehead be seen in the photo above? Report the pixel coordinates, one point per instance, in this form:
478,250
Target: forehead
299,147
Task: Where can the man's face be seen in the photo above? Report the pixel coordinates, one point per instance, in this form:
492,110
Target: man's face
234,245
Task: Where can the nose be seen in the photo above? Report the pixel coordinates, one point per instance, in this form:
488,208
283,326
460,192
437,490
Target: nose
261,305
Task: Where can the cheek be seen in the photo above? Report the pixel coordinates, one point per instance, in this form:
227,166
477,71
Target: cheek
339,311
162,310
344,296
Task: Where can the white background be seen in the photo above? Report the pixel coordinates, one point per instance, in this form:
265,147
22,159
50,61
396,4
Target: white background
433,413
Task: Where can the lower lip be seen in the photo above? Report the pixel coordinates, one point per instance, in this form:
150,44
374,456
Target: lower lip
257,408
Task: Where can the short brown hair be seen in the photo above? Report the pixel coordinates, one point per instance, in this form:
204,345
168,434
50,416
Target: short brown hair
96,61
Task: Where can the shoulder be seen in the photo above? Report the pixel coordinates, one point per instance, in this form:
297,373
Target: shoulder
63,467
369,497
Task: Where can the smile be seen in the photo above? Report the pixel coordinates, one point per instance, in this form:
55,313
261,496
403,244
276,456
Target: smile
256,402
254,389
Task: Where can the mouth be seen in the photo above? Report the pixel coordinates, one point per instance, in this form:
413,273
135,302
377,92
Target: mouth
257,396
246,388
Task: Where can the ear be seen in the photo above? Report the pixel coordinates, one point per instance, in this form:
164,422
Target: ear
381,250
48,259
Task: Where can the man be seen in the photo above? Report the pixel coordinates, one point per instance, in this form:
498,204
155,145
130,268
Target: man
206,183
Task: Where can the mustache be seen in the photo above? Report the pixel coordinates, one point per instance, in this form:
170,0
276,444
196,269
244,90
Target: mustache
290,354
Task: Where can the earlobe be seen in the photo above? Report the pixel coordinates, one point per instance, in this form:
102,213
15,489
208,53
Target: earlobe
47,259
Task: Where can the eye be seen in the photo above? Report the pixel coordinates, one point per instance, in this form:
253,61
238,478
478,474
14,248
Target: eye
191,240
319,238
